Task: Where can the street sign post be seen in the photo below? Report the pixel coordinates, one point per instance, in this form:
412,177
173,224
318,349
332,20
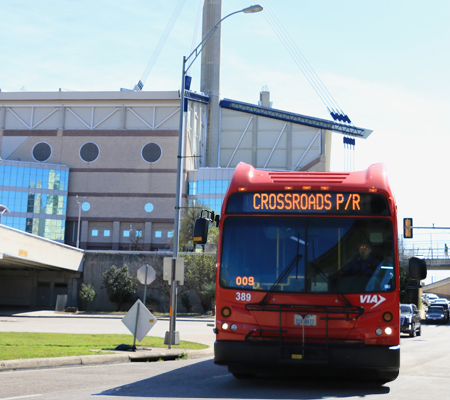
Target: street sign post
173,272
139,320
146,275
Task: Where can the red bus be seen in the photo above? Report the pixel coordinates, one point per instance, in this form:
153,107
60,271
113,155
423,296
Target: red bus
308,274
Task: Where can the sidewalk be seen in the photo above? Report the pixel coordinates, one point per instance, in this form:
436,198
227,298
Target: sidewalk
198,329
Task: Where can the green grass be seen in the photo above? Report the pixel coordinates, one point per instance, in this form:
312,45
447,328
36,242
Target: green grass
17,345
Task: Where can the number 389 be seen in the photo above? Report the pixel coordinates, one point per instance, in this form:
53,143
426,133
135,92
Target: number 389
242,296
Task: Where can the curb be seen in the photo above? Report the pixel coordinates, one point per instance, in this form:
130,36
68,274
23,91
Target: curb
138,356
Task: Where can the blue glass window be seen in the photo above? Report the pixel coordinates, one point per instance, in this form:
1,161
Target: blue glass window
94,232
158,234
193,188
106,233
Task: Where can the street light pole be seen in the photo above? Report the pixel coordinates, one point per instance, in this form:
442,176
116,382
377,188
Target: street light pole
129,236
3,209
195,53
79,217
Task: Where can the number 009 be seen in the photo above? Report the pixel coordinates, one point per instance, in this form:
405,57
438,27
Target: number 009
245,280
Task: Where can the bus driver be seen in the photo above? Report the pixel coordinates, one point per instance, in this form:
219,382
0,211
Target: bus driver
363,263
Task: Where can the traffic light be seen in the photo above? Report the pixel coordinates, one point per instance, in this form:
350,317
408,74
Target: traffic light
407,228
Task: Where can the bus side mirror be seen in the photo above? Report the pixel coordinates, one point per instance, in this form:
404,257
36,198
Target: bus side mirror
201,231
417,268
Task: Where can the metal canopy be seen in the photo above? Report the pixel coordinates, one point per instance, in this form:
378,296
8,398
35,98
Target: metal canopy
296,118
11,262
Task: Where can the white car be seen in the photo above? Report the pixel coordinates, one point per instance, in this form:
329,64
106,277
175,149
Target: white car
429,297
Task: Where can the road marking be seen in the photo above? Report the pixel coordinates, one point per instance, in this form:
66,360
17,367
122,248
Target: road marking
22,397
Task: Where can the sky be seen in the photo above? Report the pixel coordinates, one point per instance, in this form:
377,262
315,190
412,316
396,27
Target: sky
385,63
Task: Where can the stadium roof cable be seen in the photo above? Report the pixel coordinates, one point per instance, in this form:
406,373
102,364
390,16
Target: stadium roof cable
176,12
333,108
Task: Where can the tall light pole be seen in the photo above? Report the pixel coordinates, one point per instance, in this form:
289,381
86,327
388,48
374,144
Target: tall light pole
79,217
3,209
131,228
187,63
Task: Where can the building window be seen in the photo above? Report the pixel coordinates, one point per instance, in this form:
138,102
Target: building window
41,152
158,234
106,233
89,152
139,234
170,234
148,207
151,152
193,188
126,233
94,232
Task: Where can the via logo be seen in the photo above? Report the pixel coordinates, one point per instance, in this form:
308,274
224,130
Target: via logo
370,299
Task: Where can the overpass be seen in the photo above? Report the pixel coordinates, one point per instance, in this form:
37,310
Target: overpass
35,270
438,263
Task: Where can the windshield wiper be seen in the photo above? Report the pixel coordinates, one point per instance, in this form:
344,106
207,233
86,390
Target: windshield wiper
287,270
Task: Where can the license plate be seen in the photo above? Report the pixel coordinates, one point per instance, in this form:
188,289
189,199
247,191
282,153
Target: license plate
308,320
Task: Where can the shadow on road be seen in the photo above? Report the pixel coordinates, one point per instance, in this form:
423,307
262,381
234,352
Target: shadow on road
207,380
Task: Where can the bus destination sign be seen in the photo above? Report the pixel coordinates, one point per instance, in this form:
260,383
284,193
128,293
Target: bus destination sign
315,203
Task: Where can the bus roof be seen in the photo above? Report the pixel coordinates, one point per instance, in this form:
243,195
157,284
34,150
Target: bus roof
251,179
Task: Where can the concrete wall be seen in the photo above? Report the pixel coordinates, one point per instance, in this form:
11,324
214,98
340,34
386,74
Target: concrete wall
441,288
96,263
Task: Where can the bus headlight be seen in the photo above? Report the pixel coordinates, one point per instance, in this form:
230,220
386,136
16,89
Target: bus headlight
379,331
224,326
233,327
388,331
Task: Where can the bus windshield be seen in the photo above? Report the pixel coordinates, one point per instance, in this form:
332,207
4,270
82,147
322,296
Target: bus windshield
326,255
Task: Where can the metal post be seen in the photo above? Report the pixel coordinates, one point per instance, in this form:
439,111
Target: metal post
135,328
145,283
129,237
79,217
176,236
194,53
172,302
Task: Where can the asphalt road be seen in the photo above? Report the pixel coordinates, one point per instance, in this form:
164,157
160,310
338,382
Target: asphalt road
425,374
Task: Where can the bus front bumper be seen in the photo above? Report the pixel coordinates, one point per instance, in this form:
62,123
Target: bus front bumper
263,356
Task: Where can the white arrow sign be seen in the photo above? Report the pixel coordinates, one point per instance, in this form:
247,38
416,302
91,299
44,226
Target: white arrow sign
145,320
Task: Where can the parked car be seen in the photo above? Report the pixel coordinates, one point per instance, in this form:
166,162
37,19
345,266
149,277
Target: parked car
427,297
444,303
435,314
410,320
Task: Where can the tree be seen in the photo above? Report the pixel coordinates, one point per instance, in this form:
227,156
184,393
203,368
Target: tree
209,290
136,240
404,280
87,294
119,284
199,275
